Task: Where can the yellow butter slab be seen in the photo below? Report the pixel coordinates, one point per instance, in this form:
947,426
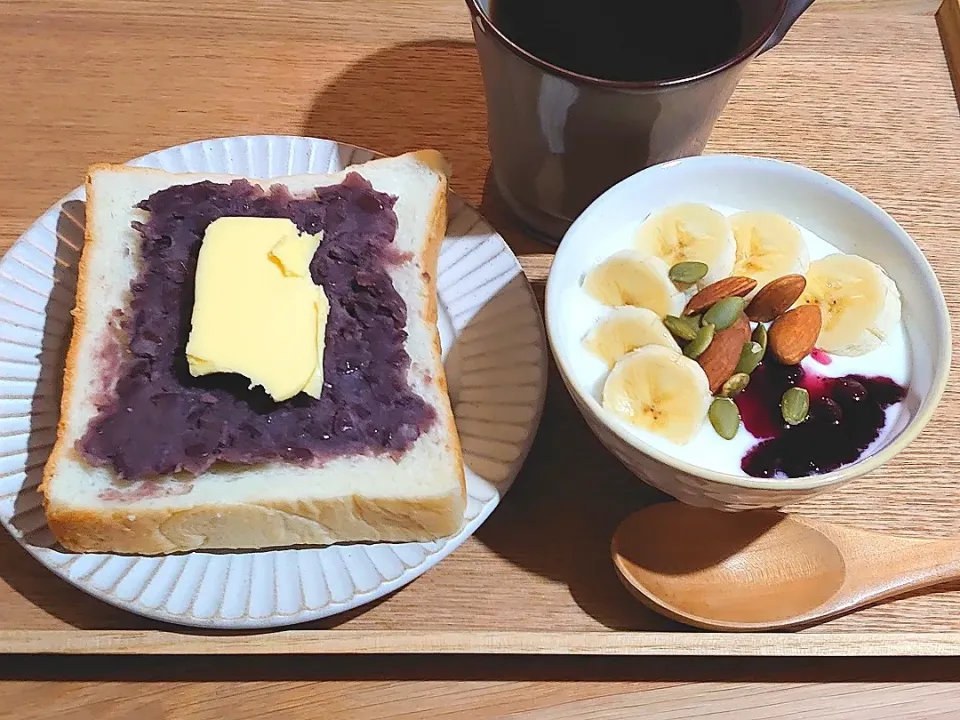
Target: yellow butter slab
257,312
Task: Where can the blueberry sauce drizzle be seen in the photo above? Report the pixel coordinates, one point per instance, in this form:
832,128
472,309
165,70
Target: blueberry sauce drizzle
846,415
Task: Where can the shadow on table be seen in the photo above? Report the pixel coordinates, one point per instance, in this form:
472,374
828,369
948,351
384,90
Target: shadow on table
378,103
560,514
384,103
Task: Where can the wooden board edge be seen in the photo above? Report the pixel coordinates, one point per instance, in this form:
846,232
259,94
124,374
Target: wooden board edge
948,21
365,642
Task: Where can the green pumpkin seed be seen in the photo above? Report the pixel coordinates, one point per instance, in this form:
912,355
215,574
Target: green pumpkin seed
683,328
725,417
760,337
750,357
688,272
735,385
724,313
700,343
795,405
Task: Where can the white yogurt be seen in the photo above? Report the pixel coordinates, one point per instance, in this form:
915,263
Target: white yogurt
707,449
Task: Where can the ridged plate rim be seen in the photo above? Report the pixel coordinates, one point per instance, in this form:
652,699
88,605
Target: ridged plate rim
486,269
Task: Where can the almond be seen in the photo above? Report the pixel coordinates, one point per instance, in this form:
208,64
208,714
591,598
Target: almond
719,360
720,290
794,334
776,297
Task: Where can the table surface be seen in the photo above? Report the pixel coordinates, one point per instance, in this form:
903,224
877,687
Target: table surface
105,80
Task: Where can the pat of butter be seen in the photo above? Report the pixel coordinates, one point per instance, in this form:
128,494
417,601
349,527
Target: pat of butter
256,310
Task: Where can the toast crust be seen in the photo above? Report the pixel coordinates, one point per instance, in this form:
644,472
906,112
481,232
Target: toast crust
79,316
273,523
253,526
429,261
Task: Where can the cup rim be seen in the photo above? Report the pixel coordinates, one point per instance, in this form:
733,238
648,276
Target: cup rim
931,401
752,49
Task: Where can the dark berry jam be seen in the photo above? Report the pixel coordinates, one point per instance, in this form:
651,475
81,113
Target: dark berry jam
160,419
846,415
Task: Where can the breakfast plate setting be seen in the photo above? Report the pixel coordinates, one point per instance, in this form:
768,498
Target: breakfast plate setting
257,381
495,356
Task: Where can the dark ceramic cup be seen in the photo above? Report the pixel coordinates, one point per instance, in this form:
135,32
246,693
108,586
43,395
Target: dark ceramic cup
558,139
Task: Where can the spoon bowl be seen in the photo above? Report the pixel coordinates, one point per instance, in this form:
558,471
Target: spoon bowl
764,569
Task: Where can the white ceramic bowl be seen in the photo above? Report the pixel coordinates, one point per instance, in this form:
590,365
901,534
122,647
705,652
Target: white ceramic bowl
824,206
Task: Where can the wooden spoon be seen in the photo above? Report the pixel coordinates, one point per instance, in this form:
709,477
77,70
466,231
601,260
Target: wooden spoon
766,570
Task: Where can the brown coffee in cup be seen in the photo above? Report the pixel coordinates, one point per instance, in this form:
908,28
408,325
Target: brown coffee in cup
581,95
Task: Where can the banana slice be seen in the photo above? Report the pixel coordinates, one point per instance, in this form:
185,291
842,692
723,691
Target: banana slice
690,232
859,301
659,390
626,329
769,246
631,278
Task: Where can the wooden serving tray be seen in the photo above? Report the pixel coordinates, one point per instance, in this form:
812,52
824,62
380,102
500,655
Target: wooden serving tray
864,97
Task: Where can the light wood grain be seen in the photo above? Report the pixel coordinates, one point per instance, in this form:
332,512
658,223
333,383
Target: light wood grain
868,102
948,19
492,642
375,700
860,90
880,7
364,687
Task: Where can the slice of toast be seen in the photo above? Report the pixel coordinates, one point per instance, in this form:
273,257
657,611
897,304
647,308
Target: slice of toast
418,496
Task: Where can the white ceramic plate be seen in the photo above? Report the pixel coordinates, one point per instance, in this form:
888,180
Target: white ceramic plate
495,353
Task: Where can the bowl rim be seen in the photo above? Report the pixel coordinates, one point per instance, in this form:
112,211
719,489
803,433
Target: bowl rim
929,404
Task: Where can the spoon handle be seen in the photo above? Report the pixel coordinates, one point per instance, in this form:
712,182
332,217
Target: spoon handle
890,567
